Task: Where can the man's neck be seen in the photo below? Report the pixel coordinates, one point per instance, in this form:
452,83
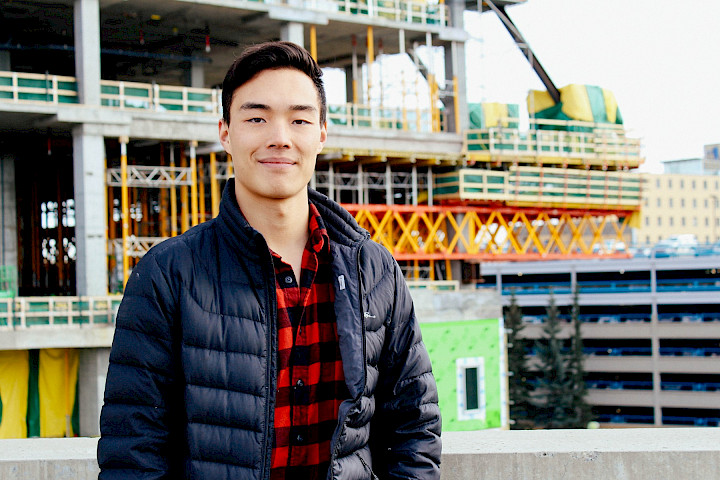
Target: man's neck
283,224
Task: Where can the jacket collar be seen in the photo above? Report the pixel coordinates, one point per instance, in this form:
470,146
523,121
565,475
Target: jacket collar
341,226
238,231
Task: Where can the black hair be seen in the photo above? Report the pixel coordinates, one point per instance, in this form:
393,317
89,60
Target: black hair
271,56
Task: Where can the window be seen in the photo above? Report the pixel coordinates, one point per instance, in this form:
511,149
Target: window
706,203
670,202
682,183
694,202
470,388
647,202
682,202
669,182
705,184
693,184
647,239
657,183
659,221
647,221
707,222
671,221
659,202
682,221
694,221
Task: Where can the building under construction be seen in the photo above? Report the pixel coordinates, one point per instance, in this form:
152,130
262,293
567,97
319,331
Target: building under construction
108,144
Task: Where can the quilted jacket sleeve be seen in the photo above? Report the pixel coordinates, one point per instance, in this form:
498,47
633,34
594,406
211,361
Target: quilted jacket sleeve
407,426
136,423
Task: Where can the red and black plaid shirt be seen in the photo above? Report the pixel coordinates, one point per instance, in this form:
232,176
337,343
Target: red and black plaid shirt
310,380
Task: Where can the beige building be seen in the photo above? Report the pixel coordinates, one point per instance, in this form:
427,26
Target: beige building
679,204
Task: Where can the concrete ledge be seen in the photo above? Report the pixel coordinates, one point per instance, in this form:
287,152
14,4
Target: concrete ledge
608,454
49,458
612,454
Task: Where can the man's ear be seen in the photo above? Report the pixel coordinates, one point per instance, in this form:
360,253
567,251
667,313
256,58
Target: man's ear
224,135
323,137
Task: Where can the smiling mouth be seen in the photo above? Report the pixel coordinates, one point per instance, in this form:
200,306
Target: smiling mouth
277,162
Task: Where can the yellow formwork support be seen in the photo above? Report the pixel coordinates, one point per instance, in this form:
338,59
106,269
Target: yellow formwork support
125,205
173,199
482,233
313,42
193,185
184,200
214,186
201,190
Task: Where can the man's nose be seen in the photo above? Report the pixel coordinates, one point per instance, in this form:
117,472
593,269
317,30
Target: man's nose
279,136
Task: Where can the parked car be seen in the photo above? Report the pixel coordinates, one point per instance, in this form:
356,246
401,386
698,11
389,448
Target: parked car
675,245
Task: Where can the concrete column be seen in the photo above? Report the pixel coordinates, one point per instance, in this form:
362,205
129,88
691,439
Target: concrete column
455,68
87,50
5,61
349,84
197,74
90,216
92,372
293,32
8,212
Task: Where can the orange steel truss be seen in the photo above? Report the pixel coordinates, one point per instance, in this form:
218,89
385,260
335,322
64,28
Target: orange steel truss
492,233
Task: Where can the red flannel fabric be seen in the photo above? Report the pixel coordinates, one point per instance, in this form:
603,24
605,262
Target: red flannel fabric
310,381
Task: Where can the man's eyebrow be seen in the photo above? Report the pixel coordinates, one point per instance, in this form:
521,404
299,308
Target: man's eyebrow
254,106
262,106
303,108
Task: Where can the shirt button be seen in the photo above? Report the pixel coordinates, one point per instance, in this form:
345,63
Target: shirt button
300,439
299,383
288,279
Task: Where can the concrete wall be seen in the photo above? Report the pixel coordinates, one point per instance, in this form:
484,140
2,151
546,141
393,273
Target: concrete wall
627,454
442,306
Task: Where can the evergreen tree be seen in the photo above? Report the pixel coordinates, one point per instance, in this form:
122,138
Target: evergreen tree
580,407
555,393
522,412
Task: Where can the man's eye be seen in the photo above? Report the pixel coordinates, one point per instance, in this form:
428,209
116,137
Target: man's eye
255,120
301,122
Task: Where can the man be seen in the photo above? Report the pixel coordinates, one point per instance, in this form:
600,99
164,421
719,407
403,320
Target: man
276,340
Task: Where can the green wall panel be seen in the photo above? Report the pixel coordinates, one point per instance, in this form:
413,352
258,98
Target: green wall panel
449,341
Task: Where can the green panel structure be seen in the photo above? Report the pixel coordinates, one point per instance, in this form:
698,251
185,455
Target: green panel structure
469,365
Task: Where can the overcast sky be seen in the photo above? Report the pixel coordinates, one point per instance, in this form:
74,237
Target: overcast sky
659,57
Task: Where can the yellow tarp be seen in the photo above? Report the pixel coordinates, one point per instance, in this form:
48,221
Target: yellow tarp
611,107
14,371
56,382
539,100
576,103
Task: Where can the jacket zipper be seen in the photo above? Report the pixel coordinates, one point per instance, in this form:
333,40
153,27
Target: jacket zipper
367,467
362,326
361,288
269,414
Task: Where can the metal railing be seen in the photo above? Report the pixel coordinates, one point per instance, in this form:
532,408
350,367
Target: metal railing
568,139
385,118
34,88
29,88
137,246
30,312
406,11
547,186
451,285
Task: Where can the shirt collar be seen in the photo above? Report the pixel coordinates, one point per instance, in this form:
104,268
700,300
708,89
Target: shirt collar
318,238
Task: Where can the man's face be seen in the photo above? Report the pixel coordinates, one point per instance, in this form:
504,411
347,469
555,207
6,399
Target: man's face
274,135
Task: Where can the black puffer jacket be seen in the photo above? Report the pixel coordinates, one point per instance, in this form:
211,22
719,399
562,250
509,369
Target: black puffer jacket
190,388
